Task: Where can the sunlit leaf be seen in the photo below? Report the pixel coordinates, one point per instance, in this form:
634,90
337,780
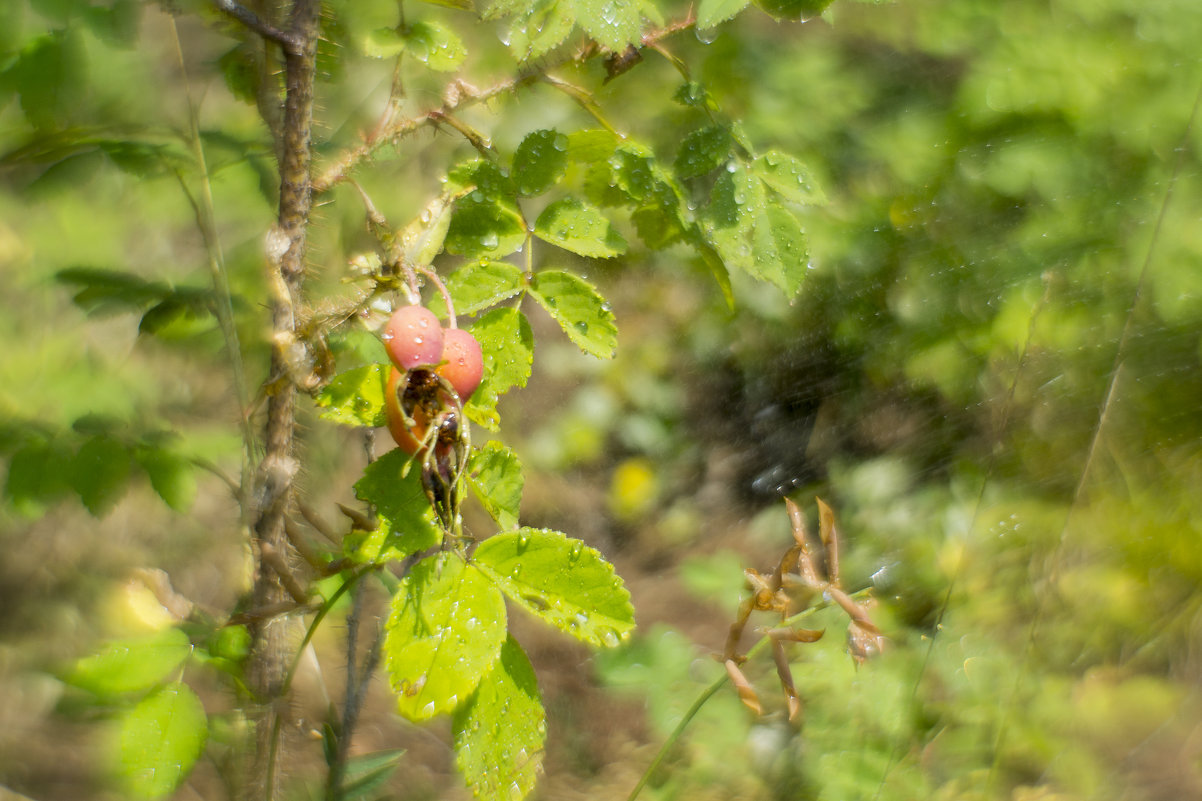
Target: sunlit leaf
574,225
781,253
711,12
613,24
580,311
422,239
131,666
541,28
794,10
160,740
495,474
499,736
444,632
478,285
435,45
383,43
560,580
539,161
355,397
788,177
508,347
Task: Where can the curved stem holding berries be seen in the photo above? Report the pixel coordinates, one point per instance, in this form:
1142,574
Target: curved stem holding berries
433,278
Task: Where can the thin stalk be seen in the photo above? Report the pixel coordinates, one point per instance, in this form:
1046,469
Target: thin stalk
699,702
224,307
1103,416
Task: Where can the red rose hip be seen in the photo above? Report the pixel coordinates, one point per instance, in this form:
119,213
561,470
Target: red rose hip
413,338
462,362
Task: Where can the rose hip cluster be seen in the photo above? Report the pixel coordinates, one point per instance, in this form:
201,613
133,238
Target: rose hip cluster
436,370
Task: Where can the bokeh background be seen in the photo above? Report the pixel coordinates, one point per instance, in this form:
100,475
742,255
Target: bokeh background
991,373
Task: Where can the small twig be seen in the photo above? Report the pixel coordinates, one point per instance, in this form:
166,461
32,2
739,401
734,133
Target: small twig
474,137
433,278
292,44
314,520
301,544
269,555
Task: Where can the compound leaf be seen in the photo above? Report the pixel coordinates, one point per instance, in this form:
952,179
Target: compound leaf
499,736
580,311
703,151
560,580
444,632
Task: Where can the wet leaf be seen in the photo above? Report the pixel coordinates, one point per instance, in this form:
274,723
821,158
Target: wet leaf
580,311
478,285
711,12
539,161
560,580
703,151
613,24
574,225
495,474
435,45
508,346
444,632
499,736
789,178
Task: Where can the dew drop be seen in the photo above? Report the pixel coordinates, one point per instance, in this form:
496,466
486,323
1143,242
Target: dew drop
707,35
574,554
610,638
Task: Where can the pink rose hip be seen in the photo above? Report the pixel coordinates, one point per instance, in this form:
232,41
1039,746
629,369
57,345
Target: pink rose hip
462,362
413,338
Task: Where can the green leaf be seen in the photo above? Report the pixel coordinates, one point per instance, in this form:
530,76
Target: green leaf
781,253
613,24
383,43
355,397
560,580
487,222
573,225
703,151
110,291
160,740
422,239
171,475
795,10
131,666
407,525
499,737
99,473
37,475
711,12
478,285
51,78
580,311
444,632
495,473
367,772
539,161
789,178
496,9
541,28
460,5
508,347
754,234
592,146
436,46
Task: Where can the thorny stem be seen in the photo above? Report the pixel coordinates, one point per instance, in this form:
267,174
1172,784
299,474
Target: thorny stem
464,97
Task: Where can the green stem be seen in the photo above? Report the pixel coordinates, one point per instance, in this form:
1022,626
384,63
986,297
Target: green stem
700,701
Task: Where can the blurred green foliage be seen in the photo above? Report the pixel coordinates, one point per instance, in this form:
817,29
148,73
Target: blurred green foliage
992,370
